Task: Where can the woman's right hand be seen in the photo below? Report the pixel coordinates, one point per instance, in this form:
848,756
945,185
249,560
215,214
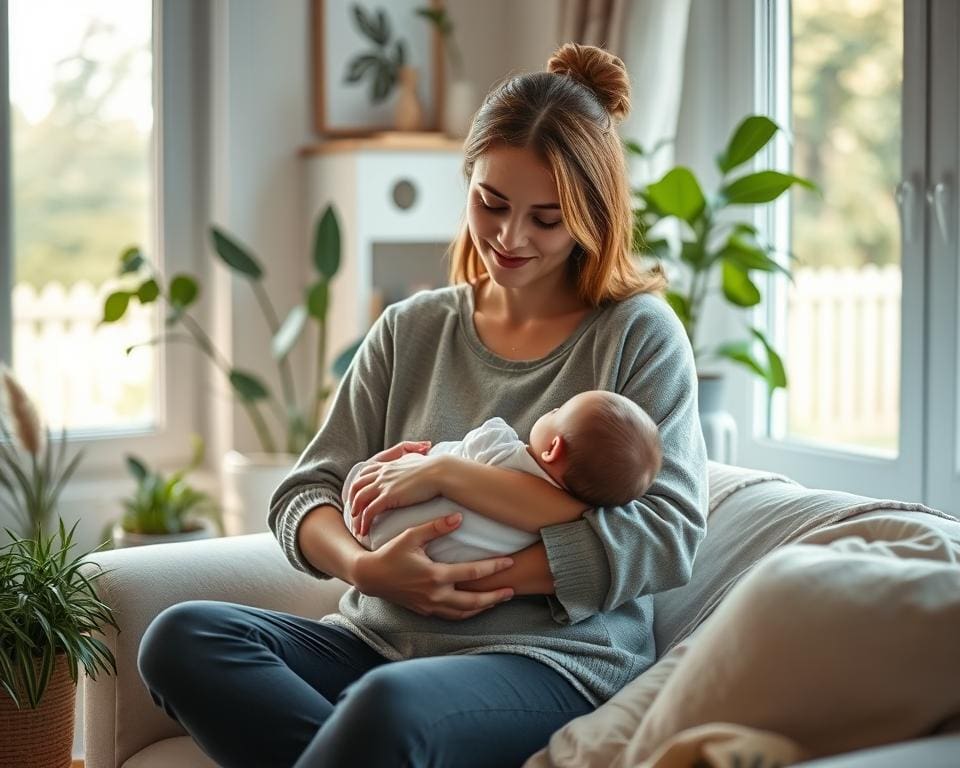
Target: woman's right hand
401,571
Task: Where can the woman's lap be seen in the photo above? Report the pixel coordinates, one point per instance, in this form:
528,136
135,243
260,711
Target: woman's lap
261,688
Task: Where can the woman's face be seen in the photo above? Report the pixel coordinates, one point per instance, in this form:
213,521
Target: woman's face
513,212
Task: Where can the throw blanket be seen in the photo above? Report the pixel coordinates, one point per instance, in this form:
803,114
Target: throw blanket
805,654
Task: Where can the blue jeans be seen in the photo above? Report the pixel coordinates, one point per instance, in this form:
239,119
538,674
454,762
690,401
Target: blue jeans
261,688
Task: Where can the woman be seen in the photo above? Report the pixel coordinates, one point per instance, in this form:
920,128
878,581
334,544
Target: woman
472,663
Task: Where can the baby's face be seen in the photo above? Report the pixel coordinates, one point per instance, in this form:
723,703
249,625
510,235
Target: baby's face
557,421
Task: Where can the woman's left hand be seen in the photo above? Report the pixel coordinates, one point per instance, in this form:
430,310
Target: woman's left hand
385,485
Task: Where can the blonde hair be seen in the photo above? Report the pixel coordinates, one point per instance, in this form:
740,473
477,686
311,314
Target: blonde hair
613,451
568,115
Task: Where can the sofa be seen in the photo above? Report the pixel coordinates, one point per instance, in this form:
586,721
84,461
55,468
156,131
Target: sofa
751,515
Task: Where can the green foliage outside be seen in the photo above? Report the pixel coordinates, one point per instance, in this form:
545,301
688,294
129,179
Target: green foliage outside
847,76
81,183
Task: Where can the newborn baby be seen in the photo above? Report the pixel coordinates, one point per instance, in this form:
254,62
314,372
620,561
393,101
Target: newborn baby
601,447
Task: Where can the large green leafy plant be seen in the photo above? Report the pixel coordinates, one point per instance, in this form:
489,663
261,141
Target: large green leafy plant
32,472
711,239
300,416
47,608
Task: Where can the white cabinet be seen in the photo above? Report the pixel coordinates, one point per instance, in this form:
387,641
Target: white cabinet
400,204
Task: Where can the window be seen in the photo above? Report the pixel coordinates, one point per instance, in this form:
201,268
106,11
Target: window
81,125
843,315
98,152
869,327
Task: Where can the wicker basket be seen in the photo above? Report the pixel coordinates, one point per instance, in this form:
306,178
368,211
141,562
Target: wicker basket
41,737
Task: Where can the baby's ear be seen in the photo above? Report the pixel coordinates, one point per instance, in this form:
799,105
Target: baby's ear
555,451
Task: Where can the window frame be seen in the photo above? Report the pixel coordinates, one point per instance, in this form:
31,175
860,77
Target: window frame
175,241
757,28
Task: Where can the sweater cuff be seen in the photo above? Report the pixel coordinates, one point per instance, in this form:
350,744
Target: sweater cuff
289,526
581,576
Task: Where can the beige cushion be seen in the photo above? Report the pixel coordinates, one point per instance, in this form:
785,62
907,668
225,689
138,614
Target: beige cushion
794,634
177,752
836,647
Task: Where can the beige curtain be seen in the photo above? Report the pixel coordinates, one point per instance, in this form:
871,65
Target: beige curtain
594,22
650,36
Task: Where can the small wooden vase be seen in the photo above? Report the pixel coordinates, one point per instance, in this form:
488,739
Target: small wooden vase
408,115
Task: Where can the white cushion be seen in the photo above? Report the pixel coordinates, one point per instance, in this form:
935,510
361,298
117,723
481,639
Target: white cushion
178,752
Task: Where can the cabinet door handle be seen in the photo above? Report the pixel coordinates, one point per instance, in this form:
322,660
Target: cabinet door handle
938,198
904,197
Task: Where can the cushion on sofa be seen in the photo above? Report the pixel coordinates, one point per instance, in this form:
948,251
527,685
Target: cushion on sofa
752,513
836,647
795,634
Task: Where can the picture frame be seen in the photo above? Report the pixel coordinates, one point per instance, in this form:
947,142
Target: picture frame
342,109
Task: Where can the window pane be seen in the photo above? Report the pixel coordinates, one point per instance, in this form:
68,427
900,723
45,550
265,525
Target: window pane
82,117
843,345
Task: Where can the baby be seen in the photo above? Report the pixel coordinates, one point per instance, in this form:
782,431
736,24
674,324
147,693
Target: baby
599,446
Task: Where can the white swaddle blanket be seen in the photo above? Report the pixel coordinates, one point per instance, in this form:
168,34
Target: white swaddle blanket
495,443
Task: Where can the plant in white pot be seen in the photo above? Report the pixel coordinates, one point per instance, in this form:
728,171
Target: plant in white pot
251,478
711,239
164,509
48,614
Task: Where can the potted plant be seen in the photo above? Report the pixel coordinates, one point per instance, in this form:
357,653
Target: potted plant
163,509
251,478
460,102
48,610
32,472
711,240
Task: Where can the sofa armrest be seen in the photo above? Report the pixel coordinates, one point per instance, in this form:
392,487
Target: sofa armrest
932,752
120,718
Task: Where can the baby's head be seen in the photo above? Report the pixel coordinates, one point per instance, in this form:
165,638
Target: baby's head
601,446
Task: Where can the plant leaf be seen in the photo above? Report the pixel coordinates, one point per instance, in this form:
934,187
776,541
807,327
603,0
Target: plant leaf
131,260
148,291
136,468
750,137
776,374
740,352
247,386
761,187
359,67
343,360
235,255
678,194
284,340
183,292
115,307
318,299
738,287
326,244
367,25
681,305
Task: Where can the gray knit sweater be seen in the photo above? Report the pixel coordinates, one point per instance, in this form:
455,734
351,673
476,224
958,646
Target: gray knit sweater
424,374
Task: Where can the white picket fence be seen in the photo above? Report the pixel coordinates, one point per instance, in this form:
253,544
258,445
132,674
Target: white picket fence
78,373
843,356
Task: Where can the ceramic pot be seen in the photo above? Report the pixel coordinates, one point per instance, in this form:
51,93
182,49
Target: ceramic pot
124,538
249,480
408,114
719,427
41,737
459,108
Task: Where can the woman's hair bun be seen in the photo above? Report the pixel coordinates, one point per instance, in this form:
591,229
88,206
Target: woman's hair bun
600,71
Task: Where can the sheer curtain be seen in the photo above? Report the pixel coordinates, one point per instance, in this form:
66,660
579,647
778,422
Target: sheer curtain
650,36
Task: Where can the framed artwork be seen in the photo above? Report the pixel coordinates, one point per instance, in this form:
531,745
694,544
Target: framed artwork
355,49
